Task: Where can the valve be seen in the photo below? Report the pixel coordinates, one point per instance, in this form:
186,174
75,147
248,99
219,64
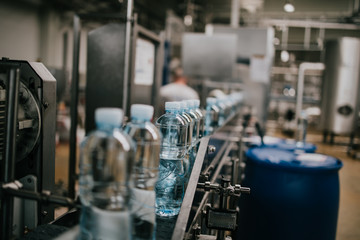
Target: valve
225,188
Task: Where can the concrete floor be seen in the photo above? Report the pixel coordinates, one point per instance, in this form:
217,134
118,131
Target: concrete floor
349,210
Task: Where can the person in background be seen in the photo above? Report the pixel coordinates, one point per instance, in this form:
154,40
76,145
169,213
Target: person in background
178,89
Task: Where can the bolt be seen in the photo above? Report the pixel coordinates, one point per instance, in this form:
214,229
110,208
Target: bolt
211,149
231,192
44,213
245,190
24,95
46,105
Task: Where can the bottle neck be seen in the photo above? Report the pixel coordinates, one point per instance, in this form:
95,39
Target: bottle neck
105,127
139,120
171,111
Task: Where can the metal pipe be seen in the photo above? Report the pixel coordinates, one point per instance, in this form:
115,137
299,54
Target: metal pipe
223,206
215,160
307,37
65,52
222,162
127,54
74,107
300,85
235,13
7,202
284,37
312,24
41,197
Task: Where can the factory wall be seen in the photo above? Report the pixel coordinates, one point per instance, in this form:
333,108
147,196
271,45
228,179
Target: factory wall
20,30
31,33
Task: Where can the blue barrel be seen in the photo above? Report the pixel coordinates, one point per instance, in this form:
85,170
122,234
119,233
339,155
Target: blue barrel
285,144
293,196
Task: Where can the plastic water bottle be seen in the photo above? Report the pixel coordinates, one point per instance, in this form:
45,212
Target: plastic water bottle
184,112
189,140
170,186
145,170
222,111
104,184
196,119
201,115
212,116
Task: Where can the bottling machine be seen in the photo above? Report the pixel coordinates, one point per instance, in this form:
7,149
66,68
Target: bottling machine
27,143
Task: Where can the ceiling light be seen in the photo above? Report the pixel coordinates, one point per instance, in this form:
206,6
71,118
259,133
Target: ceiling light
284,56
188,20
289,7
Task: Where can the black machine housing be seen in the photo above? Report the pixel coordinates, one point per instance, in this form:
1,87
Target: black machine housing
35,138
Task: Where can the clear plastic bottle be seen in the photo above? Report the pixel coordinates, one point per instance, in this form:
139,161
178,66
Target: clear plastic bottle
145,170
104,183
222,111
212,116
201,115
170,186
196,118
190,122
191,111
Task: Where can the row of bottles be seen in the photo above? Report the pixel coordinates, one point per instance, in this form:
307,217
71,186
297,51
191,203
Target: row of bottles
219,110
130,175
181,126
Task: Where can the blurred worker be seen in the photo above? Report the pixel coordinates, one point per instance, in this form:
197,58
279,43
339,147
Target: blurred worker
178,89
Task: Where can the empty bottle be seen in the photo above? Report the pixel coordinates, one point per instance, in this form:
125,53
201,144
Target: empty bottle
145,170
170,185
212,116
105,170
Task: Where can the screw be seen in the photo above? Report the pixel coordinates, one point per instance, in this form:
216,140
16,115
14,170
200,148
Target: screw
46,105
211,149
44,213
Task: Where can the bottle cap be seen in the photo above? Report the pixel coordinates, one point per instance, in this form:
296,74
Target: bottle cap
196,103
190,104
111,116
183,105
142,111
172,105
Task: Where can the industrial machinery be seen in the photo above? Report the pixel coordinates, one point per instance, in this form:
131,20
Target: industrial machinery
340,105
210,206
27,142
106,68
126,71
231,58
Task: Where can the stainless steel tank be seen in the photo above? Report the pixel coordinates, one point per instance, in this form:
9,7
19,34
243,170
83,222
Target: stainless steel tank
340,95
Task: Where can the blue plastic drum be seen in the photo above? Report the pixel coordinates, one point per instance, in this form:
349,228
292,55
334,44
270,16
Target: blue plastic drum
293,196
285,144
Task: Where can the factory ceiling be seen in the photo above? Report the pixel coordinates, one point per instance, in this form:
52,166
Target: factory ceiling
152,13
